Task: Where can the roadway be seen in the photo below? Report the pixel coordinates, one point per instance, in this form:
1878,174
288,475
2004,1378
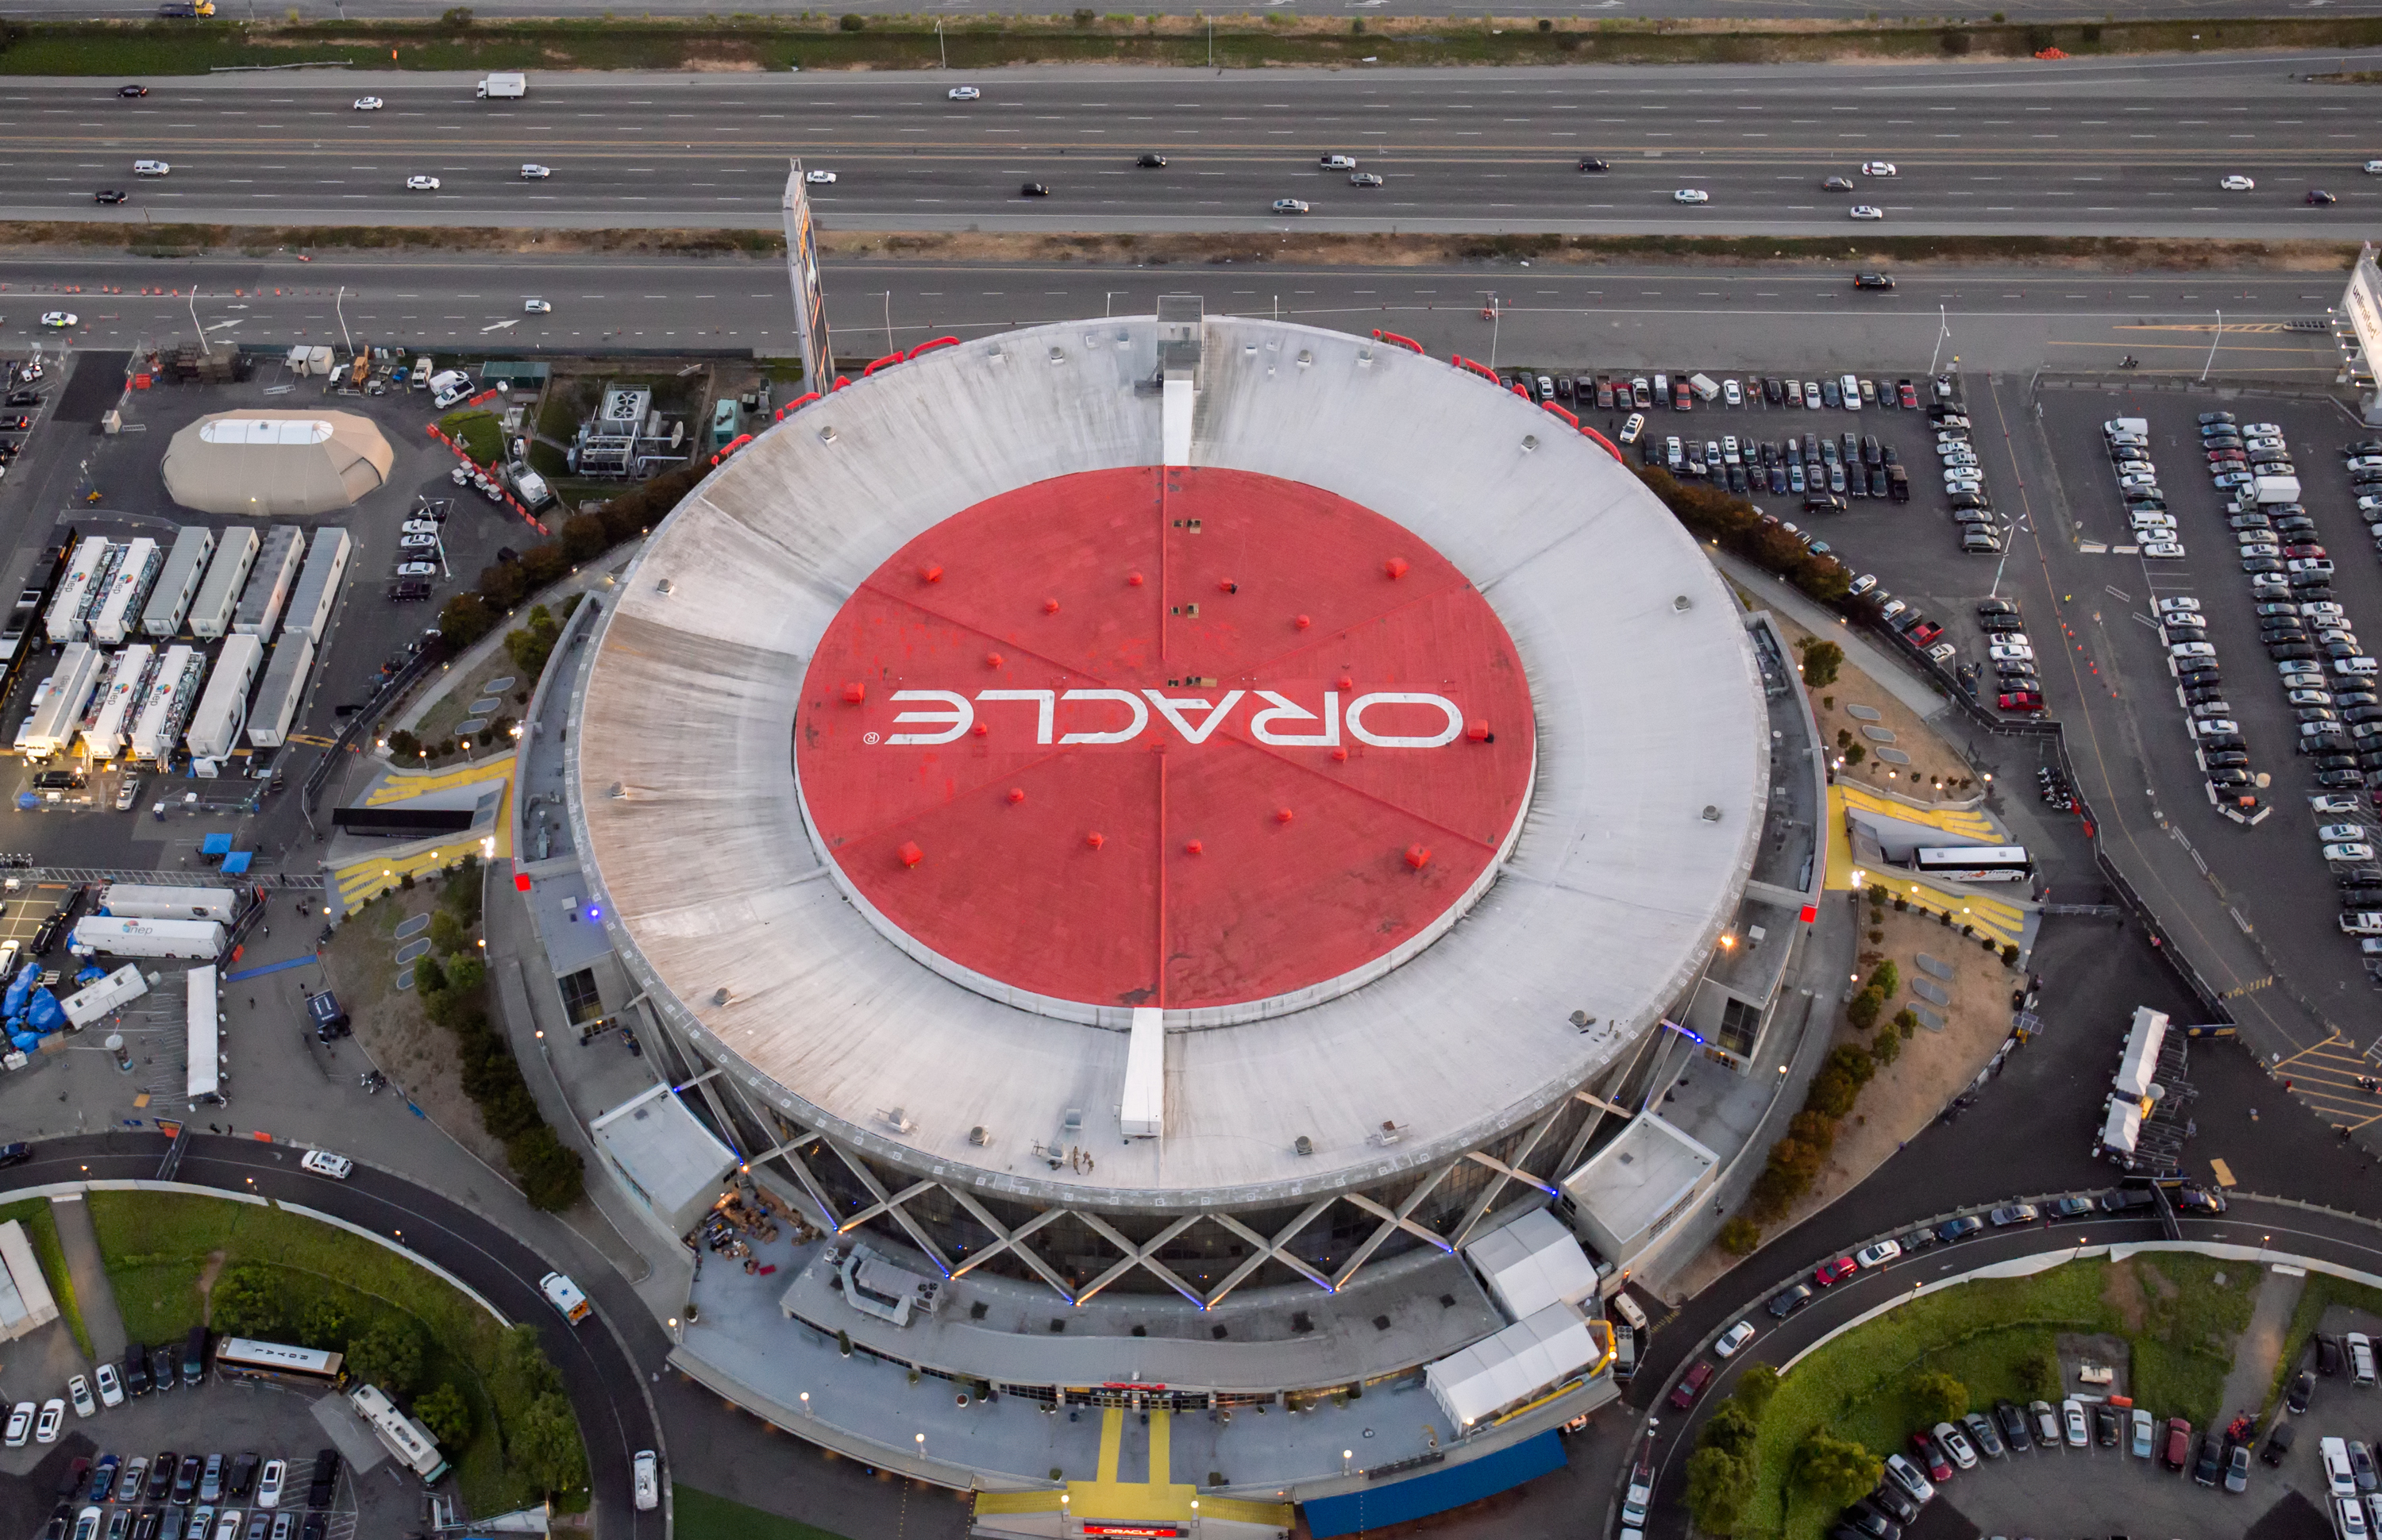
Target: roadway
2124,148
600,1376
1616,315
1570,10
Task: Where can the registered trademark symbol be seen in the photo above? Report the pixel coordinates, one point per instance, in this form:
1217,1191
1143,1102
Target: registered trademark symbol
868,737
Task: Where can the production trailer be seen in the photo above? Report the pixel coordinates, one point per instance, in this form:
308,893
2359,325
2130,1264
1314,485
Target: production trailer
269,582
202,1020
72,600
55,725
124,691
125,900
284,687
95,999
319,587
223,707
117,609
173,689
178,580
106,936
219,591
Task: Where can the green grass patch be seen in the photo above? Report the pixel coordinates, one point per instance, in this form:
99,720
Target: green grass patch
42,1230
701,1516
481,435
902,43
155,1246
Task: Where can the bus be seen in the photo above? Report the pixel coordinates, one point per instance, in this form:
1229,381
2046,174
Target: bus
399,1434
245,1358
1975,863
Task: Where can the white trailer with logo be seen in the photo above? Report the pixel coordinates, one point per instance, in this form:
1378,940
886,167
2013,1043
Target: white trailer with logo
319,587
110,936
55,725
116,610
98,998
284,688
123,692
173,689
211,612
128,900
178,580
223,707
64,620
269,582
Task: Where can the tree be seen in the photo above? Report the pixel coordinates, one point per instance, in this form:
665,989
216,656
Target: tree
1886,978
1938,1397
2040,1375
1886,1047
543,1444
523,1373
445,1413
323,1325
1729,1427
247,1302
388,1355
1740,1236
534,644
1855,754
1718,1485
464,620
1754,1388
1835,1471
1862,1009
552,1174
1822,660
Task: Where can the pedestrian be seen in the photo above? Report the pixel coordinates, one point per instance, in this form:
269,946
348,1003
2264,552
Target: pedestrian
2287,1086
2254,1114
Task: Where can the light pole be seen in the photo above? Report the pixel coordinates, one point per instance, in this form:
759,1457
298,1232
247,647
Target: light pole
339,303
940,49
1943,335
196,330
2212,348
1496,320
889,318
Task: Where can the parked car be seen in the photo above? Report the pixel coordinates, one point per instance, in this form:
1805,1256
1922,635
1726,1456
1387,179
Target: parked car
1733,1338
1692,1385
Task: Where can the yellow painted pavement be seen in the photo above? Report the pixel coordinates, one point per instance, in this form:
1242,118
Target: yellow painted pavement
1157,1499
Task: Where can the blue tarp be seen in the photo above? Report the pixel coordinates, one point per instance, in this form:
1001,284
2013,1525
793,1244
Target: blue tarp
216,845
237,862
44,1014
18,988
1397,1501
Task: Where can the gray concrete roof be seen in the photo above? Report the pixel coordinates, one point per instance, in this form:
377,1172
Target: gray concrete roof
1649,711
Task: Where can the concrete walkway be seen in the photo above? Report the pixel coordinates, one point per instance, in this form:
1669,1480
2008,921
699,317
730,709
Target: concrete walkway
93,1295
1862,654
2261,1346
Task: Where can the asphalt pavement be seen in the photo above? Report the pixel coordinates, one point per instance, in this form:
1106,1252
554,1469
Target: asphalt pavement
2126,147
1740,10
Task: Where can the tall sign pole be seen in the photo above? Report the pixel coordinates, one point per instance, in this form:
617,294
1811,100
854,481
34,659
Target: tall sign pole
802,275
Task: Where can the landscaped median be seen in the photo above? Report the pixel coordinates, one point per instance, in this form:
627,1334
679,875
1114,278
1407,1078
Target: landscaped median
496,1404
1773,1462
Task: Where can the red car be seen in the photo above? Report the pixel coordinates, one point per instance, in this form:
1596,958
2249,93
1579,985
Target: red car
1684,1395
2305,551
1829,1272
1931,1458
1908,395
2021,699
1926,632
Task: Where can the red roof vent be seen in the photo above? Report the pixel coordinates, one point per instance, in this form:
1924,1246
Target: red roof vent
1283,816
1395,567
1340,753
1418,856
1134,579
1478,729
1049,606
930,573
1192,849
1229,586
854,692
1346,681
1016,794
1302,621
1096,840
994,660
909,853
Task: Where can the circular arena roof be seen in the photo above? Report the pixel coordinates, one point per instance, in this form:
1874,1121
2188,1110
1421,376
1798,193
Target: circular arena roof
1400,751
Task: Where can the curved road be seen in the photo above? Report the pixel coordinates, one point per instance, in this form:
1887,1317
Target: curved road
2286,1228
601,1379
2124,147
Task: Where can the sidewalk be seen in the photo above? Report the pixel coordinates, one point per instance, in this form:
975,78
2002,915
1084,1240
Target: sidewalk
94,1294
1864,655
2261,1346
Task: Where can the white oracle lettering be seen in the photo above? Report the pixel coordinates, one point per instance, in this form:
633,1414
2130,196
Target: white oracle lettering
1045,699
955,722
1170,707
1125,698
1362,703
1285,711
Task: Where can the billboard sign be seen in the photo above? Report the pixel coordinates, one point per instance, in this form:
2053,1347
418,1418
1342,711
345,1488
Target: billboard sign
2362,303
802,273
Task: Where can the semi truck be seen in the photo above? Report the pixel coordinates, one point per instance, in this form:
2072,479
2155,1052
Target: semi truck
125,900
507,87
111,937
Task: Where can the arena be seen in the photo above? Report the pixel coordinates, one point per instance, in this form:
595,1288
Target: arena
1168,805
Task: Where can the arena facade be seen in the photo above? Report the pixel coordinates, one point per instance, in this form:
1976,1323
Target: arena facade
1177,807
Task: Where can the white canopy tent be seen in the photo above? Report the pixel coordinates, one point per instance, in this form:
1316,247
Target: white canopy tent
205,1075
2124,1129
1531,1264
2141,1059
1531,1355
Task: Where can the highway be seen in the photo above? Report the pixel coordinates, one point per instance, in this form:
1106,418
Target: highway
2122,148
1570,10
1583,317
601,1379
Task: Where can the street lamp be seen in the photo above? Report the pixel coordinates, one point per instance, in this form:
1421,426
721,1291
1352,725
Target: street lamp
806,1403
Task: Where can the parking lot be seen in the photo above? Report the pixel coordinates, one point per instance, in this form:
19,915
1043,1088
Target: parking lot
232,1419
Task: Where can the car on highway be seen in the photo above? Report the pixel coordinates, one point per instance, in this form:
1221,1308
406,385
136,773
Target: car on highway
2373,168
1035,190
368,104
421,184
1289,205
1866,210
1691,195
1150,161
2238,184
1879,168
645,1479
323,1163
1734,1337
818,178
109,195
57,321
2319,197
1336,163
963,94
1363,178
131,90
535,173
1837,184
1874,280
1589,162
151,169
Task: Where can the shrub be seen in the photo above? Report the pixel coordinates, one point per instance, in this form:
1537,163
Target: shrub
1938,1397
1855,754
457,17
1886,1048
1730,1429
1740,1236
246,1302
1850,1062
464,620
543,1444
448,935
1086,16
389,1355
323,1326
447,1414
1862,1009
1955,42
2009,955
1719,1484
2039,1373
1886,978
530,645
1821,659
1833,1471
1906,1021
1754,1388
403,745
853,22
552,1174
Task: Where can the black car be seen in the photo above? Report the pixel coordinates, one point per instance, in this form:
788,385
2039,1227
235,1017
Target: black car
1035,190
2278,1442
136,1370
326,1480
162,1368
161,1474
15,1154
244,1477
1871,1524
2209,1462
1918,1240
186,1478
1151,161
316,1527
2105,1425
2073,1207
2189,1198
131,90
144,1524
1892,1499
2342,780
1790,1299
109,195
2012,1418
1589,162
1960,1228
2126,1200
2328,1354
1871,280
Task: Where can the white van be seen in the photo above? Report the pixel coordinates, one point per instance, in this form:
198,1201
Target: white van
645,1470
1850,385
150,168
2137,426
565,1296
2361,1359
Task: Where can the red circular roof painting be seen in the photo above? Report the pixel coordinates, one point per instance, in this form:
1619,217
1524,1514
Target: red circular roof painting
1183,739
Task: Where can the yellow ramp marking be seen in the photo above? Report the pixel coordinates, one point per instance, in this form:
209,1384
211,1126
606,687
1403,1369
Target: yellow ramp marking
1963,821
358,884
401,789
2224,1172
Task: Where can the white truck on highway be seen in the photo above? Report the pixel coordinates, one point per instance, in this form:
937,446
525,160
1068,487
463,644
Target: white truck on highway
504,87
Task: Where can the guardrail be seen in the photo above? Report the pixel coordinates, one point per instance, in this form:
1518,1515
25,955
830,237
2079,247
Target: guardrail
391,691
